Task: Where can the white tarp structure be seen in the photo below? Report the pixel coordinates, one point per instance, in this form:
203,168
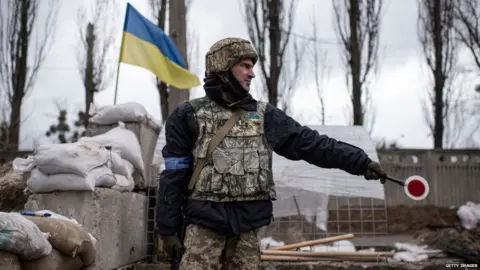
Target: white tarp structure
304,187
302,175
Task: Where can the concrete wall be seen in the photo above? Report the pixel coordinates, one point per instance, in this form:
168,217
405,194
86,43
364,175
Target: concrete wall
453,175
116,220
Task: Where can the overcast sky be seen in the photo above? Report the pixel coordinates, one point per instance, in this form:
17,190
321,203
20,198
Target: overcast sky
399,87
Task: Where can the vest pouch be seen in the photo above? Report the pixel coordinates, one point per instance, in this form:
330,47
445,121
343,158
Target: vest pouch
252,161
264,159
228,161
227,165
265,179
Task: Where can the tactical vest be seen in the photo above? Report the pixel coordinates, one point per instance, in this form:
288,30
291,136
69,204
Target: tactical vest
240,168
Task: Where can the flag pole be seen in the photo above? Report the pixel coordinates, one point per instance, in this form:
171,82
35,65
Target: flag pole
116,81
120,56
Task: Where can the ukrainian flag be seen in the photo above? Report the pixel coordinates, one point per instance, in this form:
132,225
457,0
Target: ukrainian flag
146,45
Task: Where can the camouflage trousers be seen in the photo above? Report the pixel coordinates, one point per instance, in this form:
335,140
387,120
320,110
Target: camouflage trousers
210,250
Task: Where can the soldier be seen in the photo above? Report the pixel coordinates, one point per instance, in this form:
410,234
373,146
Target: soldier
233,195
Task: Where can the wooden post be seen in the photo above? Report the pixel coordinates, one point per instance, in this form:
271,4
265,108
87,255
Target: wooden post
178,33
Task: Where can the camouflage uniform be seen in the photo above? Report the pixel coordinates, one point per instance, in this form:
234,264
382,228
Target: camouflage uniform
239,169
206,249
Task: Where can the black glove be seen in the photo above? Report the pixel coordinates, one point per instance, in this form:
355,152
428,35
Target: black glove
375,171
172,245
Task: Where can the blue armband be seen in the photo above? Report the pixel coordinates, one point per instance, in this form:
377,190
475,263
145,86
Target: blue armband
177,163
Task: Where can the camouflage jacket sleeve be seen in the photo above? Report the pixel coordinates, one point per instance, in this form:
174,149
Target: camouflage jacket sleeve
180,134
296,142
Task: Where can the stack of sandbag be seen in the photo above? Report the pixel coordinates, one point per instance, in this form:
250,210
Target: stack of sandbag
79,166
135,118
53,242
72,245
67,167
126,155
21,240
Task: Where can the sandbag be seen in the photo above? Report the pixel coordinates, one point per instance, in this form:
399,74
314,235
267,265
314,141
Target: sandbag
53,261
124,184
123,140
9,261
39,182
74,158
120,165
68,238
62,217
111,114
22,237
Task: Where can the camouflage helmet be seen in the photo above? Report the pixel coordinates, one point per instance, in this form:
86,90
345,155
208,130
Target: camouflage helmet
227,52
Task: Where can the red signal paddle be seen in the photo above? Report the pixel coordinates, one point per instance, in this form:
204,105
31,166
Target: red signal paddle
416,187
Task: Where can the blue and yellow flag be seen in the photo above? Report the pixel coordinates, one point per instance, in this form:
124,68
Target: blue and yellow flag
146,45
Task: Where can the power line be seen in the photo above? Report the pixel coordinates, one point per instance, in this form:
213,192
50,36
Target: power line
291,33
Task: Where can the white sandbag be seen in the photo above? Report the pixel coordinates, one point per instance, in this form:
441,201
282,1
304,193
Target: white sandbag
124,184
41,183
120,165
469,215
72,158
123,140
22,237
111,114
23,165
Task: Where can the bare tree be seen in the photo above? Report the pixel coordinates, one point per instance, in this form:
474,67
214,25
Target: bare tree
467,30
279,66
357,24
461,124
462,113
320,68
97,28
467,27
22,54
436,35
290,76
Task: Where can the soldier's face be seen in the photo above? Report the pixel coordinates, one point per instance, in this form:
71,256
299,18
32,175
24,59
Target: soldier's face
243,72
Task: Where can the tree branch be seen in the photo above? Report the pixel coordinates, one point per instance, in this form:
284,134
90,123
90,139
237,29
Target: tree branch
357,25
276,18
22,54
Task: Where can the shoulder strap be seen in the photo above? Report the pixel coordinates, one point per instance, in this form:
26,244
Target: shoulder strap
221,133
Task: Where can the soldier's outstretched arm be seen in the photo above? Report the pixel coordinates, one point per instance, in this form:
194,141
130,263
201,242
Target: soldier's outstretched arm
296,142
180,134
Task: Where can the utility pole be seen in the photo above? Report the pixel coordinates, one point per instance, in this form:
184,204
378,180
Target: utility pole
178,33
160,9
